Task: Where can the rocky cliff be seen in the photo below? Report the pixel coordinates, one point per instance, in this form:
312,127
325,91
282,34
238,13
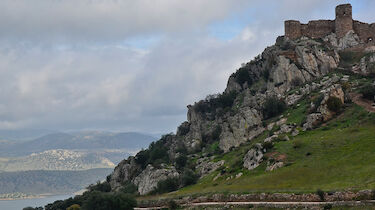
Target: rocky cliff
284,72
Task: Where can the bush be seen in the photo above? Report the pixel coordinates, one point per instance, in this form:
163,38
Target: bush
189,178
168,185
181,161
74,207
273,107
317,101
334,104
242,76
108,201
267,145
129,188
102,187
368,92
321,195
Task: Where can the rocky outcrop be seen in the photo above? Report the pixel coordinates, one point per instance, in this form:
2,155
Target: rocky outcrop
253,157
274,166
367,64
323,113
351,39
205,166
124,172
148,180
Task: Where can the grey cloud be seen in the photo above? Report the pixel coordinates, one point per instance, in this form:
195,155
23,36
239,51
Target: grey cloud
106,20
104,84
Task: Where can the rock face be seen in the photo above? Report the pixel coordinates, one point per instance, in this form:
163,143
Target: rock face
149,178
253,157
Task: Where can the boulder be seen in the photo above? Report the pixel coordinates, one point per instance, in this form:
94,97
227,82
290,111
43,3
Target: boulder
205,166
274,166
148,180
253,157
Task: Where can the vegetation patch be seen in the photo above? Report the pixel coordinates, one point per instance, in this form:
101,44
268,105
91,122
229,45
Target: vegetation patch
273,107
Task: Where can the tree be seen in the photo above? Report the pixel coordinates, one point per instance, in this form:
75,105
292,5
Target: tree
273,107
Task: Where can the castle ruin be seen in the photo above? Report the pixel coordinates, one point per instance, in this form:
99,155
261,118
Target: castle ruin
340,26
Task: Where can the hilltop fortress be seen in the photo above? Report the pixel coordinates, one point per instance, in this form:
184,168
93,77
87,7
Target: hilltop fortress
340,26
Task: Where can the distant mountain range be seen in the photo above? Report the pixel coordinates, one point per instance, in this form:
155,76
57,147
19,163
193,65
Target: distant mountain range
51,182
63,162
56,160
74,141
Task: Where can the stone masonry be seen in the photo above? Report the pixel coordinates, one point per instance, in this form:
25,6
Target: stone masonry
341,26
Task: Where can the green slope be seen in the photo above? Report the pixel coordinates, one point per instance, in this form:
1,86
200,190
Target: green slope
337,156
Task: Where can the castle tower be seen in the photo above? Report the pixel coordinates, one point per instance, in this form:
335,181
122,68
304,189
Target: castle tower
293,29
344,20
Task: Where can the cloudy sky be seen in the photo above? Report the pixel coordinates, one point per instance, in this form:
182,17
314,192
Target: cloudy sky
132,65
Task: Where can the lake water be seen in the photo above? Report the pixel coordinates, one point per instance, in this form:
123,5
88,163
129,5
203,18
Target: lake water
35,202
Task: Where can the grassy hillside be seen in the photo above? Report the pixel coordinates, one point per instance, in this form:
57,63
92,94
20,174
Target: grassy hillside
337,156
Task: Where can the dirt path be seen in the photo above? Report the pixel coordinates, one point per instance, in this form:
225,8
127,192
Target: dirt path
367,104
272,204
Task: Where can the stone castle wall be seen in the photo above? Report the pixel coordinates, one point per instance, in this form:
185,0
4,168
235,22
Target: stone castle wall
341,26
365,31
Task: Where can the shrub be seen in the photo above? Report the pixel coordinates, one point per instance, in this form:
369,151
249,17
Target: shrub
142,158
167,185
181,161
350,57
273,107
108,201
101,187
334,104
368,92
242,76
74,207
321,195
129,188
215,148
267,145
189,178
317,101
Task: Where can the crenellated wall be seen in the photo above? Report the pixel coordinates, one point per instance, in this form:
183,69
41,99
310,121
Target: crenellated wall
341,26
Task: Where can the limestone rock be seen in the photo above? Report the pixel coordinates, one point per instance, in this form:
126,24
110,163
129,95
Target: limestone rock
312,120
149,178
351,39
253,157
204,166
125,171
274,166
